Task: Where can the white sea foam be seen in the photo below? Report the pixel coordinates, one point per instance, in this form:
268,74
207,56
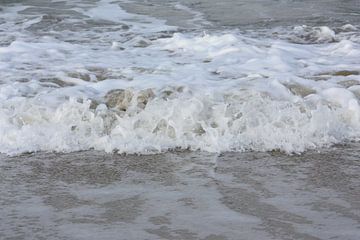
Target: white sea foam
143,93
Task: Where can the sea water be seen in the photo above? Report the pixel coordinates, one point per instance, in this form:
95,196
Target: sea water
147,77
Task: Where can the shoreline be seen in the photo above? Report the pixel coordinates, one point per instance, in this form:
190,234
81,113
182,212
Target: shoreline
181,195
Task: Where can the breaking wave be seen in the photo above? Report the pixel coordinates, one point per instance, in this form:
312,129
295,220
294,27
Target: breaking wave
143,89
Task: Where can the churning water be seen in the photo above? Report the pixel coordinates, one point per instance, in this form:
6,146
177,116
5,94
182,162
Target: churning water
144,77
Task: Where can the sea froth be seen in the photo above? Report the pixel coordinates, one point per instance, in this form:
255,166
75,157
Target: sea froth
143,89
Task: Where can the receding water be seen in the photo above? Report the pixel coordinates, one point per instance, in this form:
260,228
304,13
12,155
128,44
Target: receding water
91,195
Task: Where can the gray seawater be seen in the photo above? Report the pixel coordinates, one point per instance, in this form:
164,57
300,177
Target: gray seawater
181,195
248,14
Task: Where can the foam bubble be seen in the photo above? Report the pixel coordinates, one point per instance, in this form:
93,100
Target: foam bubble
305,34
137,90
236,121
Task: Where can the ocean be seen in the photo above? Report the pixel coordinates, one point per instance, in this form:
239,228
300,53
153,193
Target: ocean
179,119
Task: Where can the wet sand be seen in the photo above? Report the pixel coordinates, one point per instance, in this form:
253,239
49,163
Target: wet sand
181,195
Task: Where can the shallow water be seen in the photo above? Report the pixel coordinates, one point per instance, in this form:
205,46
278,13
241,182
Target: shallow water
184,195
250,14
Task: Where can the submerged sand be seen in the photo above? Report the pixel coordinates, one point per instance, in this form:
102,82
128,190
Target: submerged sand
181,195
